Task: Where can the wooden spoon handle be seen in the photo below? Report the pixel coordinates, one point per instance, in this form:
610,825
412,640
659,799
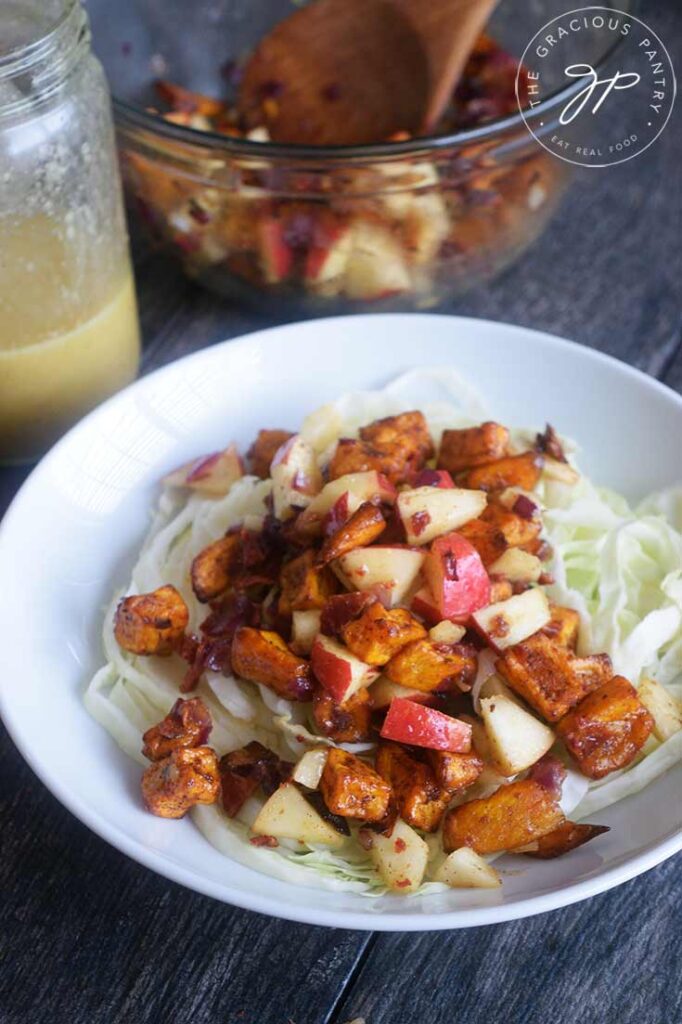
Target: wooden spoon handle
448,30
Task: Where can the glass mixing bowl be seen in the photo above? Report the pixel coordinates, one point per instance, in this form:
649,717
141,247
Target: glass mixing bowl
391,226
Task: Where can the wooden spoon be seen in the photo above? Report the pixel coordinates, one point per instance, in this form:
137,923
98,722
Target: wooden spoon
345,72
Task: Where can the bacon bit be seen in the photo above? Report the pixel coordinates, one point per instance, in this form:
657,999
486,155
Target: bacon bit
544,551
428,478
550,444
271,89
399,845
268,841
366,839
525,507
546,579
520,587
403,883
549,773
299,738
420,520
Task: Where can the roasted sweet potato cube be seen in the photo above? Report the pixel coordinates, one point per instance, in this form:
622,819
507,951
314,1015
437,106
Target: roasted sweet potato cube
211,571
243,771
349,722
352,456
455,772
488,540
397,446
607,729
363,527
305,586
565,838
474,446
513,471
263,450
152,623
513,816
516,530
352,789
549,677
187,724
429,666
186,777
564,626
420,800
379,633
262,656
409,431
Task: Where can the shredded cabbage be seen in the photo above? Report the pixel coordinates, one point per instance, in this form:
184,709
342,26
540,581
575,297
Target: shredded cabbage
620,568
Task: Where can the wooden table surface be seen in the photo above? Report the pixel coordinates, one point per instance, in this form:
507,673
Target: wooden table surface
88,936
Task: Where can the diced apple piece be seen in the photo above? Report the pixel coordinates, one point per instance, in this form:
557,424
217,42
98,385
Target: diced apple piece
447,632
426,226
361,487
388,572
509,622
422,726
434,478
288,815
308,771
296,477
563,472
466,869
304,628
375,268
456,577
665,710
517,566
400,858
212,475
384,690
327,262
517,740
276,255
429,512
424,604
338,671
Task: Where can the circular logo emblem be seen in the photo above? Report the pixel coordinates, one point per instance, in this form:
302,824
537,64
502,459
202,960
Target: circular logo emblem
617,80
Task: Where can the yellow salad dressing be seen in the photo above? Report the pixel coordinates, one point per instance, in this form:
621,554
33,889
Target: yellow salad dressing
69,337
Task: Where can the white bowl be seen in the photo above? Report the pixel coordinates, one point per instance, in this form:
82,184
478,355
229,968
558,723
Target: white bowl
72,532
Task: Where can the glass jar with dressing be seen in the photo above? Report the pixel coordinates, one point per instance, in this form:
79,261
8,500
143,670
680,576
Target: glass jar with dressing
69,334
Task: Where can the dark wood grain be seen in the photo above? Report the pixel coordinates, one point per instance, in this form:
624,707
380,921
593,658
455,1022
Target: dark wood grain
88,936
611,960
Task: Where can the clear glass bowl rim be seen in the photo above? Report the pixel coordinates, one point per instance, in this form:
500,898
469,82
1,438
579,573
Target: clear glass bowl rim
130,115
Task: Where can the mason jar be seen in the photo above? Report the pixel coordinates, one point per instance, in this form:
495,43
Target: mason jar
69,334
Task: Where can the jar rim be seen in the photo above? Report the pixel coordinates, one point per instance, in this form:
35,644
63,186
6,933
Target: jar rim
46,60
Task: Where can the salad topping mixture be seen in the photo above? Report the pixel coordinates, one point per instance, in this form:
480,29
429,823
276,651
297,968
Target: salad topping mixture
384,683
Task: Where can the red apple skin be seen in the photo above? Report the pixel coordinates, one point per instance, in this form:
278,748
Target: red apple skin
333,673
456,577
424,604
321,248
277,256
434,478
421,726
